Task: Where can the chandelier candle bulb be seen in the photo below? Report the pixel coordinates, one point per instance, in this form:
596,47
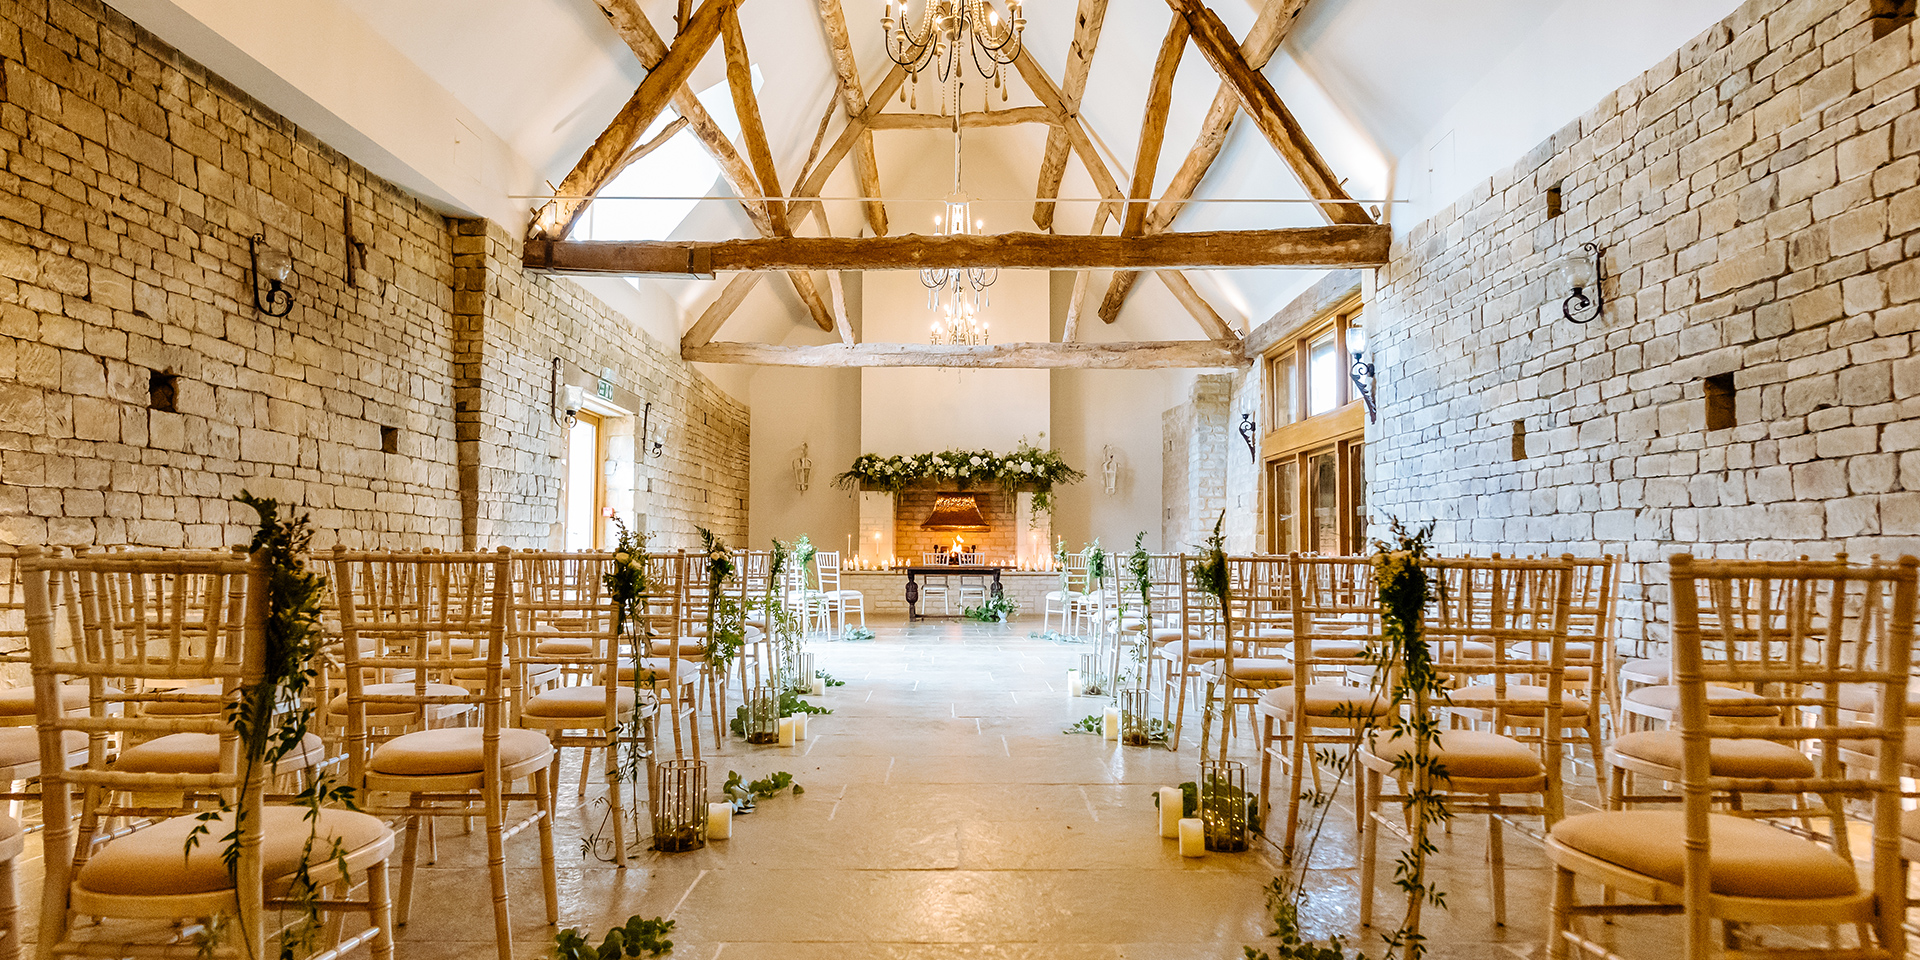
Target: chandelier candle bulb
1172,801
1110,723
719,821
788,730
1193,841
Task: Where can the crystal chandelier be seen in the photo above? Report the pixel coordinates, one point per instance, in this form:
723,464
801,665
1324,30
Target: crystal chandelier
960,292
946,26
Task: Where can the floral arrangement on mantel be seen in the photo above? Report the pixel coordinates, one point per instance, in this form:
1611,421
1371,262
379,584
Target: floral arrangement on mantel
1027,468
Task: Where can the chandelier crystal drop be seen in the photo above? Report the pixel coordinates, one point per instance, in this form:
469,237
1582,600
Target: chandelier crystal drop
945,27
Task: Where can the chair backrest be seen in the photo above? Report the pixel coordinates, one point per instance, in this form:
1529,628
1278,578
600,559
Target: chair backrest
1261,621
563,617
1336,615
826,567
1789,629
662,613
440,618
151,624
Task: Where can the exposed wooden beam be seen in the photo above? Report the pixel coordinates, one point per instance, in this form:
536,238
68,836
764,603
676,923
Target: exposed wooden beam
602,159
837,285
1074,306
1333,246
746,107
1257,97
1149,355
1214,325
865,168
660,140
633,26
976,118
1276,20
1153,126
816,178
717,312
1051,96
1053,164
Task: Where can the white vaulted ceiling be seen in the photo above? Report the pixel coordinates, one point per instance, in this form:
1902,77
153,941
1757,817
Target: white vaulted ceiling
480,103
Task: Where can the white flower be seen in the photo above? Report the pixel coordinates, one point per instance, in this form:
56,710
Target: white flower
976,461
1026,468
621,557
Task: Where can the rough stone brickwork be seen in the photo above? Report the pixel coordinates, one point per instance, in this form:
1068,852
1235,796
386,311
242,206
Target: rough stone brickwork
1755,196
140,389
1194,483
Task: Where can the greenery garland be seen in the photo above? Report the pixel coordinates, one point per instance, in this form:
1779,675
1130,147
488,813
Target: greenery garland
726,627
1027,468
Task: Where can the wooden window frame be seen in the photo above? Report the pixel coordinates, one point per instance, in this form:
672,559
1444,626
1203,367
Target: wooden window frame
1341,430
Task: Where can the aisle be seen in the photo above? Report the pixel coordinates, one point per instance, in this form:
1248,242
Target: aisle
946,815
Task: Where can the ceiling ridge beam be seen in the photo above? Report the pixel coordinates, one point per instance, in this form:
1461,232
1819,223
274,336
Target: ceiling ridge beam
597,165
1088,19
1138,355
1257,97
847,71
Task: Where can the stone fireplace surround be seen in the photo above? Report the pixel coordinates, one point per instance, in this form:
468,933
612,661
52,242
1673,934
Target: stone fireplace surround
1016,536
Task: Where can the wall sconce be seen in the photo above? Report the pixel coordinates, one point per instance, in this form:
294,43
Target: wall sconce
1247,430
1362,372
1583,271
1110,470
802,470
563,399
272,268
649,447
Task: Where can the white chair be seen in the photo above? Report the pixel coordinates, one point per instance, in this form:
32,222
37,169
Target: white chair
839,601
1062,602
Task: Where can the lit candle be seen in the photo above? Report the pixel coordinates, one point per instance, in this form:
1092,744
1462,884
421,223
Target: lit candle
1192,842
719,821
1073,683
1110,723
1172,802
788,730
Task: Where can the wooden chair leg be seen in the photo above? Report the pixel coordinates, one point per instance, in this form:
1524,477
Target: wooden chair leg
1265,744
1497,857
1367,786
381,912
549,868
1297,748
412,844
615,804
497,870
9,912
1560,917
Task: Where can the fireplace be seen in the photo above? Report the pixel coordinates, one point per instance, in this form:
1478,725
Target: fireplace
928,521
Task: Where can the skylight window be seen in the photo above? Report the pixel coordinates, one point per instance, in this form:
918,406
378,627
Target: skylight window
680,167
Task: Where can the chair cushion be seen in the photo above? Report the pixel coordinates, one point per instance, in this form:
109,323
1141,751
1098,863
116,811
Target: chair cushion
685,647
588,702
21,745
1721,701
1469,755
658,667
1203,650
1726,758
1324,698
1646,671
1261,669
1865,698
9,827
1132,624
1871,748
1334,649
18,701
390,708
1748,858
453,750
563,648
200,753
186,708
1523,700
1165,634
150,862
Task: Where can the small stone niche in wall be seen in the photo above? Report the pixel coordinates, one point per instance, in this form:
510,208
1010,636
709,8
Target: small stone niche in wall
163,391
1720,401
389,439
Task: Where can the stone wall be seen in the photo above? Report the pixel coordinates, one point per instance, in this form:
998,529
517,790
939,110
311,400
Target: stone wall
1201,476
1755,197
140,389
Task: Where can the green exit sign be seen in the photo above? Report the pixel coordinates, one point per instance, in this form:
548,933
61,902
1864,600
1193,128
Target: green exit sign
605,389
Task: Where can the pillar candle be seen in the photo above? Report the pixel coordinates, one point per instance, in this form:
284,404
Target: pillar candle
1110,723
799,726
787,731
819,687
1073,683
1172,802
719,821
1193,842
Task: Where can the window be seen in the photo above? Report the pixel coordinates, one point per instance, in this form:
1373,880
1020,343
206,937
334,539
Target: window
1323,375
1314,446
679,167
585,491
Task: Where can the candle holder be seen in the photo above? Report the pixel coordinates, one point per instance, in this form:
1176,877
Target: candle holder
1224,813
761,718
680,806
1133,718
1093,680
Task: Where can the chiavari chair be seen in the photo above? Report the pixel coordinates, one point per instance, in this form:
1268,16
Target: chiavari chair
1779,628
1260,633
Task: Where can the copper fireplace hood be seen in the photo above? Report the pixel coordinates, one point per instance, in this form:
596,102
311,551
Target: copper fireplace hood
959,512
